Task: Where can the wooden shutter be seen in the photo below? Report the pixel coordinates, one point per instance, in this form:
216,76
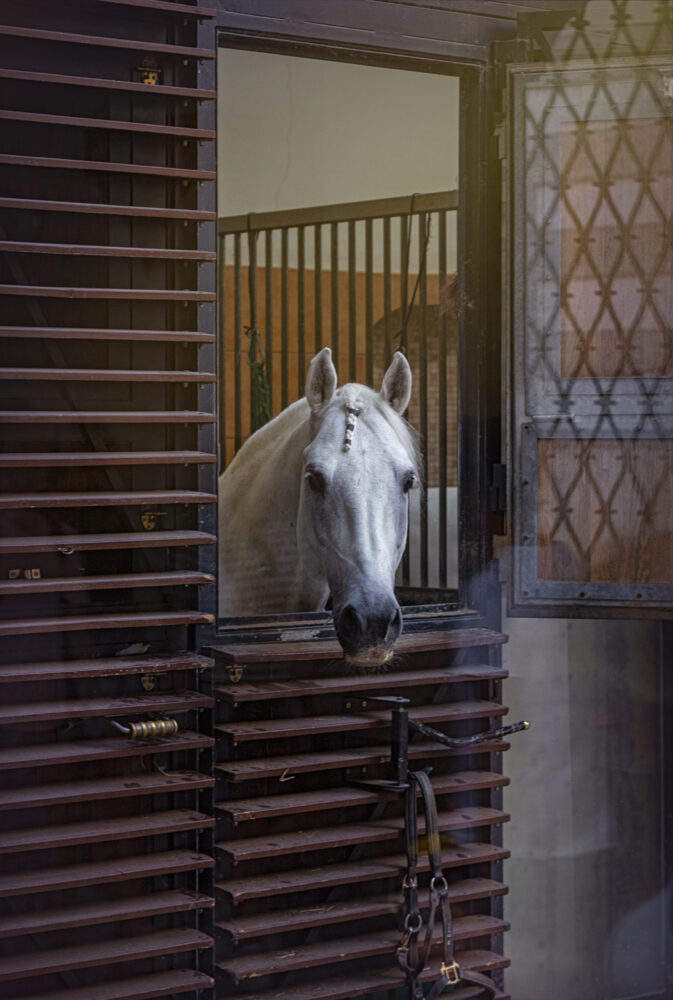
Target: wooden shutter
107,477
311,865
592,313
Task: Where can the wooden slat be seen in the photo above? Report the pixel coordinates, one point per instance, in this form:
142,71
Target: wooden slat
105,83
167,6
269,806
349,834
328,649
242,732
106,166
98,250
284,921
111,666
82,459
106,124
117,581
96,789
82,956
84,623
350,949
160,984
131,498
105,417
242,692
113,540
103,707
364,983
102,375
108,911
76,751
103,41
54,835
329,876
97,208
288,764
31,880
125,294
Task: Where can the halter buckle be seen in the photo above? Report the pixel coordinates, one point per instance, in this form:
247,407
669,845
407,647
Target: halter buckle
451,973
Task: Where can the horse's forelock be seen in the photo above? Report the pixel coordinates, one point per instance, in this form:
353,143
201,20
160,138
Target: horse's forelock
360,398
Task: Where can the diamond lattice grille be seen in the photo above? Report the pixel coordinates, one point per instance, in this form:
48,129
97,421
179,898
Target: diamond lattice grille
593,317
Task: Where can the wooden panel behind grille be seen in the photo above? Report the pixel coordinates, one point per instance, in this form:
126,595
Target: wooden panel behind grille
107,473
309,864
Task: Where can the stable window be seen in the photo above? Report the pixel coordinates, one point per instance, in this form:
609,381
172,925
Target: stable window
338,226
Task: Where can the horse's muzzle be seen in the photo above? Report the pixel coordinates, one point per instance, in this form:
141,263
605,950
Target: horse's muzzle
368,636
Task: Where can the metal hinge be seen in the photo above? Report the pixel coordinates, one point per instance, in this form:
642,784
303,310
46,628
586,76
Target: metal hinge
497,494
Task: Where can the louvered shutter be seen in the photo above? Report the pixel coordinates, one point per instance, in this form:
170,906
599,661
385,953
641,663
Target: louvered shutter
107,490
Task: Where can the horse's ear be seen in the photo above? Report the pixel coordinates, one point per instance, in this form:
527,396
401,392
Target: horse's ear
321,381
396,387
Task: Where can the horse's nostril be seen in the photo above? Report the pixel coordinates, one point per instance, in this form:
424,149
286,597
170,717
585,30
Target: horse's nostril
395,626
351,625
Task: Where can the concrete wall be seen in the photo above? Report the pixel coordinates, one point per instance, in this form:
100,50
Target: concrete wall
586,912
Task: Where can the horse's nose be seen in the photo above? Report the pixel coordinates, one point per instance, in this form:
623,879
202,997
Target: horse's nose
370,628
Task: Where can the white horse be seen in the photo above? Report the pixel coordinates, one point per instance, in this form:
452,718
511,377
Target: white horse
316,502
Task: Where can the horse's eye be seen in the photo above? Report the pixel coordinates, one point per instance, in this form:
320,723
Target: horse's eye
315,480
408,482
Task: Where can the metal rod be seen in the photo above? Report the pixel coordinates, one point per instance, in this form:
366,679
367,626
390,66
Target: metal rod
334,262
252,319
284,319
238,333
466,741
317,287
443,347
369,301
301,302
268,311
423,232
352,305
387,294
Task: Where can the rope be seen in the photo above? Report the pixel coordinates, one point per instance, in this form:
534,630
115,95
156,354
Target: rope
401,335
260,395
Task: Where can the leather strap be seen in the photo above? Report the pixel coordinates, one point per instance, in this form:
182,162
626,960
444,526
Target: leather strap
411,956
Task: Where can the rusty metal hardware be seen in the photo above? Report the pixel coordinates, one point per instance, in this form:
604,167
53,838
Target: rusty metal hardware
149,72
400,726
152,729
148,518
451,973
235,674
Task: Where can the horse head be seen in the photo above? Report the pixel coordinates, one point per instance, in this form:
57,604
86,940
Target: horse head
358,469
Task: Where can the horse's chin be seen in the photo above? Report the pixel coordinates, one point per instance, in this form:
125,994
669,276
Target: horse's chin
369,661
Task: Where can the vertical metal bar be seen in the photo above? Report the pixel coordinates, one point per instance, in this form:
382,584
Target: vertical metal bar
301,303
387,294
406,223
443,387
284,319
369,300
352,305
423,223
238,379
268,311
334,239
222,347
253,320
317,286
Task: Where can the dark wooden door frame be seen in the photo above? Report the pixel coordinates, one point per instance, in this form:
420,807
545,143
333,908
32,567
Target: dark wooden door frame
478,266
